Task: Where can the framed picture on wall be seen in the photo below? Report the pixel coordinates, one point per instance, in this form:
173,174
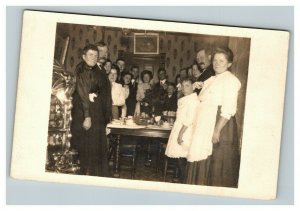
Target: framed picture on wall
146,43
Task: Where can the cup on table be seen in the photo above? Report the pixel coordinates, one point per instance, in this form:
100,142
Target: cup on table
157,119
122,119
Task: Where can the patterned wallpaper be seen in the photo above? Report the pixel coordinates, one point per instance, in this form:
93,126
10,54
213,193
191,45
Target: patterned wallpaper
79,36
180,49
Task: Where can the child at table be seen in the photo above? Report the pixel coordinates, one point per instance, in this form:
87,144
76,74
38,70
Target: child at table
170,103
180,137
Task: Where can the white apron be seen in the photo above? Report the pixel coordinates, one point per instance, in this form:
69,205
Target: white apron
184,116
217,91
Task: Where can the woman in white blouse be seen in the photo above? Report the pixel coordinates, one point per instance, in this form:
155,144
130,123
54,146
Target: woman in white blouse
213,157
117,93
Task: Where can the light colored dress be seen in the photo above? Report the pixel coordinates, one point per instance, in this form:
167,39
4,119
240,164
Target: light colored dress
220,90
142,87
118,94
185,114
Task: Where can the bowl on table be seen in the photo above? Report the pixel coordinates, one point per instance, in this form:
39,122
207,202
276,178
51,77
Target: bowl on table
116,122
130,122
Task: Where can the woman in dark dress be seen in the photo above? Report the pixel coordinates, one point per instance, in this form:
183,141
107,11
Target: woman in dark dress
90,114
144,94
130,90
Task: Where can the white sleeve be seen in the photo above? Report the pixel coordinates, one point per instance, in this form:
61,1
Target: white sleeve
124,111
229,98
119,99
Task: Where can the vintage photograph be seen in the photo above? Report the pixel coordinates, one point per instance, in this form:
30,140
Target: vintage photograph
148,105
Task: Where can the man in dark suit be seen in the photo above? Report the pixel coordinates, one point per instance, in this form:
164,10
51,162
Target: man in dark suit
204,58
103,55
102,59
160,91
135,71
170,102
122,66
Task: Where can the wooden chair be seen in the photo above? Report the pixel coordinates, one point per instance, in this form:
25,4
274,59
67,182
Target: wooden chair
168,164
129,150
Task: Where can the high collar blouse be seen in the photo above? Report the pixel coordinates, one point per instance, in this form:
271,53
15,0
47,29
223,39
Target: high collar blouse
221,90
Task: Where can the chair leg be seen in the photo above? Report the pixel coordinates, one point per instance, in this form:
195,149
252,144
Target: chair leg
158,156
148,159
176,172
133,163
111,148
165,168
133,168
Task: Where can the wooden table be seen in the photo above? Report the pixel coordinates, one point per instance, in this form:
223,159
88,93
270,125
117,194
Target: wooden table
142,132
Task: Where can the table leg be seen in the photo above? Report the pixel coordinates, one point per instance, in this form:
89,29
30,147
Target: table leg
149,154
117,157
158,155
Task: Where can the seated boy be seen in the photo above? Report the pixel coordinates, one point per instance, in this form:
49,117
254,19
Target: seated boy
170,102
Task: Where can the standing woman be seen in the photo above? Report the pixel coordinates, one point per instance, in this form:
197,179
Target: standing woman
144,94
90,114
117,93
213,158
107,66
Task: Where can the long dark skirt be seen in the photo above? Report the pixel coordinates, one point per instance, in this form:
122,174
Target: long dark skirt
91,144
225,159
197,172
222,167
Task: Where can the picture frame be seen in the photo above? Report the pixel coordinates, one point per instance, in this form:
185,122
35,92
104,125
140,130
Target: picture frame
146,43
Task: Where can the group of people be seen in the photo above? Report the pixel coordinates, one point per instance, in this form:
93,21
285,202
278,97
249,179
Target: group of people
204,136
135,93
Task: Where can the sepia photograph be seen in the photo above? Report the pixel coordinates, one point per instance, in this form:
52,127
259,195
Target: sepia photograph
152,105
126,105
